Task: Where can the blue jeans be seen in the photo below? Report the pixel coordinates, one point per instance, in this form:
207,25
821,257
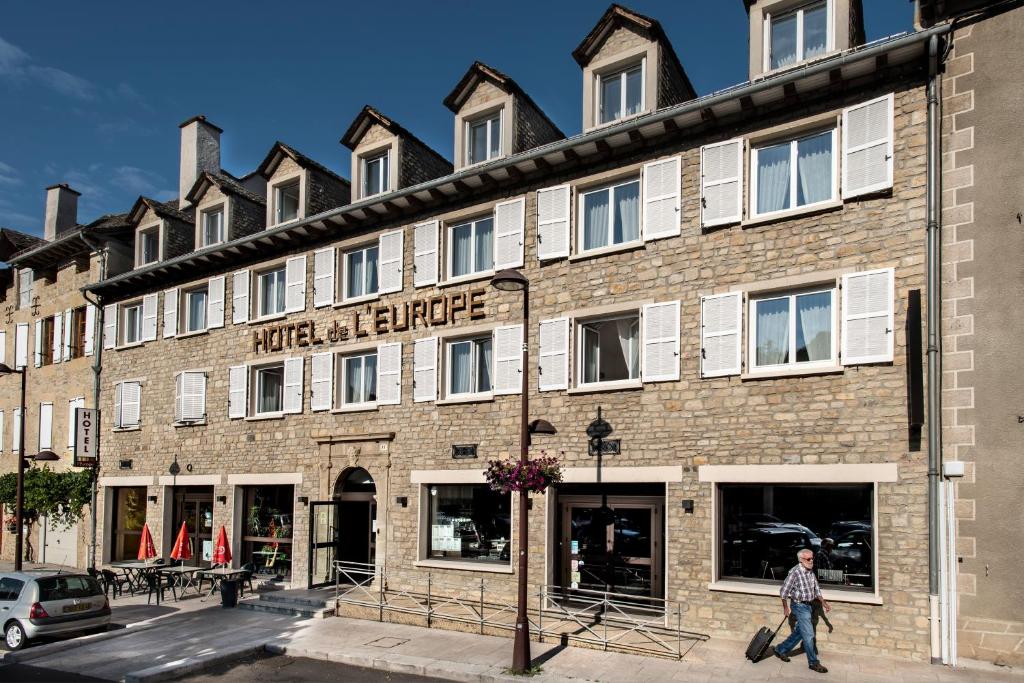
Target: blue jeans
804,631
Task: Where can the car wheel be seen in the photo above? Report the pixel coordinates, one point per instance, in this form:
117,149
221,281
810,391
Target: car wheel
14,636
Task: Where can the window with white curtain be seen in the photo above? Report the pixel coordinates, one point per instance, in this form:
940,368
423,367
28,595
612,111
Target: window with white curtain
195,309
149,246
793,329
792,174
483,138
620,93
269,383
358,379
213,226
361,272
376,175
471,247
271,286
608,350
611,215
798,35
131,323
470,366
286,201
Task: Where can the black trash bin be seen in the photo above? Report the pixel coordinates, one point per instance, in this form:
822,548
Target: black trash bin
229,593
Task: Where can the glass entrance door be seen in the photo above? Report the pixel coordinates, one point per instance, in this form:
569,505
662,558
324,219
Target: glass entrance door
196,510
324,538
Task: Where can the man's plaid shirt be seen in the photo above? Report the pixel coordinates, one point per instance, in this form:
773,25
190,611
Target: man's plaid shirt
800,585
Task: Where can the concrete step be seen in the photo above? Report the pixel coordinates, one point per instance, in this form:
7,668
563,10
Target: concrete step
314,604
294,610
283,597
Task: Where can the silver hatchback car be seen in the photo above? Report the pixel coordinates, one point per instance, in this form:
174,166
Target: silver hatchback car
50,604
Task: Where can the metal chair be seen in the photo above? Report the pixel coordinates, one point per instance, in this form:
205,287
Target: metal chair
155,583
113,580
249,568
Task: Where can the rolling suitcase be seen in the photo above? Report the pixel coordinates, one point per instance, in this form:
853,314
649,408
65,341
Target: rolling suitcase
761,640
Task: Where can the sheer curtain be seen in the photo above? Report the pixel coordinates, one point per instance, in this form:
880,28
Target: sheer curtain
462,249
627,213
485,244
772,332
355,274
773,178
595,219
783,42
814,169
629,344
814,327
371,270
353,380
483,371
196,311
370,378
462,368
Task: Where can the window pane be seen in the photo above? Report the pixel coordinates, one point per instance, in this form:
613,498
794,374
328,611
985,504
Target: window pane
772,331
288,202
483,365
595,219
815,31
611,350
764,526
469,523
814,169
371,259
484,248
495,149
462,249
150,242
591,354
783,41
272,292
813,327
370,378
478,142
773,178
627,213
212,224
196,311
611,97
354,268
462,368
133,324
271,390
354,380
634,86
385,173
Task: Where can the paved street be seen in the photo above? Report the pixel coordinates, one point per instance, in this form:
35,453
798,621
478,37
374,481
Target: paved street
297,670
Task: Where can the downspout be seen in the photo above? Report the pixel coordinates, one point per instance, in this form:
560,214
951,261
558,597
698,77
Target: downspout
933,294
97,366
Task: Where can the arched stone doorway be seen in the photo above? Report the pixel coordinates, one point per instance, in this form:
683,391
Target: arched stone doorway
356,494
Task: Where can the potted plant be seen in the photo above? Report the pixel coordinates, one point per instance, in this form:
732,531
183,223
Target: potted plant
533,476
11,522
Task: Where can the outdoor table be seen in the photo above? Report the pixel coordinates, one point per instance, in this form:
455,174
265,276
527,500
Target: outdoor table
184,577
219,574
133,571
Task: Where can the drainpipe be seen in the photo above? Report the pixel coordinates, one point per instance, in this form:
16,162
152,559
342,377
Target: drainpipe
933,213
97,356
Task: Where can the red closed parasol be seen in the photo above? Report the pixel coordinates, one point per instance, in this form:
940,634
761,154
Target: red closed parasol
146,549
221,549
182,545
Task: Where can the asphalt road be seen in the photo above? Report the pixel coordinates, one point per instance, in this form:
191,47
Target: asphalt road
17,673
281,669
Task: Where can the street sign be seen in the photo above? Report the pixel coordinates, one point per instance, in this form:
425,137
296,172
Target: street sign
87,421
464,451
599,429
608,446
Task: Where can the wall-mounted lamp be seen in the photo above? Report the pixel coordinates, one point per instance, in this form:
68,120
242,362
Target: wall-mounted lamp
151,499
688,506
402,500
223,500
175,468
303,499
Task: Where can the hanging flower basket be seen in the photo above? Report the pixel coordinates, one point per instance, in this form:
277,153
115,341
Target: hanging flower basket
533,476
11,523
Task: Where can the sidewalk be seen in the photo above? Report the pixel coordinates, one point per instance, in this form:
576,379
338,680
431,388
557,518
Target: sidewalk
208,634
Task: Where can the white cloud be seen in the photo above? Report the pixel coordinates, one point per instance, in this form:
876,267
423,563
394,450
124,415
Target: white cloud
16,65
8,176
137,179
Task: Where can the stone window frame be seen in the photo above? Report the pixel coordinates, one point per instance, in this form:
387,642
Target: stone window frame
648,55
792,366
275,184
454,218
869,473
183,297
580,357
204,208
365,161
141,381
446,227
122,327
256,291
252,400
148,229
338,400
392,147
781,11
595,313
484,112
341,267
446,367
623,177
755,144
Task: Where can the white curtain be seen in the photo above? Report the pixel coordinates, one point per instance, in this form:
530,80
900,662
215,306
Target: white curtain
196,311
462,368
355,274
633,88
353,380
783,42
773,178
271,390
814,169
370,378
815,31
485,244
627,213
462,250
772,332
483,372
627,331
814,324
595,219
372,257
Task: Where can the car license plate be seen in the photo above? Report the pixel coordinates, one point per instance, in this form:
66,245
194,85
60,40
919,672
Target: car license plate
77,608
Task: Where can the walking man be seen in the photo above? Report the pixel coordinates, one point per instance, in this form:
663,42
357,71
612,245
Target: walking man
799,591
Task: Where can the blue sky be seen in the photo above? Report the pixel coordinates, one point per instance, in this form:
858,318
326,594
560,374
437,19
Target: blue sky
91,93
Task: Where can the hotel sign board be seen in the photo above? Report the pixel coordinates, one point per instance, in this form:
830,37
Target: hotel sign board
87,423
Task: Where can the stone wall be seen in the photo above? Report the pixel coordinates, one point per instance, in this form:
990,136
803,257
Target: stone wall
247,217
325,192
420,163
532,128
179,238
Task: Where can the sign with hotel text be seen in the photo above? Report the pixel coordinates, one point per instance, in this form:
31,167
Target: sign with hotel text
87,421
371,321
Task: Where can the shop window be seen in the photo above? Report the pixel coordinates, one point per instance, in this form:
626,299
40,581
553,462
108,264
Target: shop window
471,247
286,202
468,523
469,366
798,35
764,526
267,530
483,138
611,215
359,380
794,174
213,226
609,350
361,272
793,329
621,93
129,515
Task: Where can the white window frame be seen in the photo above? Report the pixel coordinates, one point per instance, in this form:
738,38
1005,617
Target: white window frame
793,177
205,215
383,172
150,231
345,296
122,311
620,73
791,294
450,251
278,188
183,309
610,188
488,121
769,18
448,343
343,379
578,326
254,382
283,270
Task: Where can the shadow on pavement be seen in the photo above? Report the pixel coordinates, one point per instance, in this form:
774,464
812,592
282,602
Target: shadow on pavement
130,614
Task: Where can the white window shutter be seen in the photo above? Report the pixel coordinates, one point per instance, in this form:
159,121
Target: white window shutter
90,329
553,220
58,338
323,277
720,334
190,396
293,381
179,395
117,405
321,383
868,302
3,419
171,313
508,359
149,306
867,147
390,251
73,405
16,431
660,361
662,184
131,404
45,426
240,298
3,353
21,346
509,220
424,360
295,284
553,364
425,254
38,336
721,183
238,380
215,303
389,374
67,334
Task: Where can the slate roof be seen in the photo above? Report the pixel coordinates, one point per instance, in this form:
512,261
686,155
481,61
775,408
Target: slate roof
225,182
168,209
269,163
369,115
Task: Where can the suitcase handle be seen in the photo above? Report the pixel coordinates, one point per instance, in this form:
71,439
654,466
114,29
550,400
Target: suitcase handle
779,627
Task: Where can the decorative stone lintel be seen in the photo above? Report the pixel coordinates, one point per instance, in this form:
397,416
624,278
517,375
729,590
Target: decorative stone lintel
329,437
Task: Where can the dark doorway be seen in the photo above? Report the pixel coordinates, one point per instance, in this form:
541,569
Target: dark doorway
357,494
193,505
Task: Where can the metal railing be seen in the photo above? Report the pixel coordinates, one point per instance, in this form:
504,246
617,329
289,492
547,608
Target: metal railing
608,621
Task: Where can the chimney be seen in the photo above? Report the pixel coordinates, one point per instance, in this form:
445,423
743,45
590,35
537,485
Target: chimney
61,210
200,151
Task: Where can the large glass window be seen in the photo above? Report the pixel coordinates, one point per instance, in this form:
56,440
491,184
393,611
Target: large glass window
794,173
361,272
471,247
375,175
484,139
609,350
271,292
269,389
359,379
129,515
794,328
213,227
286,199
132,323
195,310
611,215
799,35
149,246
764,526
267,530
469,523
469,366
621,93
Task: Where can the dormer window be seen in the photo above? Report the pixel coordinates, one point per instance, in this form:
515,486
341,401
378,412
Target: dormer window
375,175
483,138
149,246
621,93
213,226
286,202
798,35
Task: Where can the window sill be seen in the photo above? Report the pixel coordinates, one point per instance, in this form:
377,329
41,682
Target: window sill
127,429
464,566
604,251
355,408
265,416
792,372
290,220
599,387
767,73
463,279
763,589
356,300
466,398
269,318
820,207
132,345
609,124
194,333
473,164
191,423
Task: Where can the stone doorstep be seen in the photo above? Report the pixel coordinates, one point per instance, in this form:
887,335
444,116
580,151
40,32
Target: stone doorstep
306,611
